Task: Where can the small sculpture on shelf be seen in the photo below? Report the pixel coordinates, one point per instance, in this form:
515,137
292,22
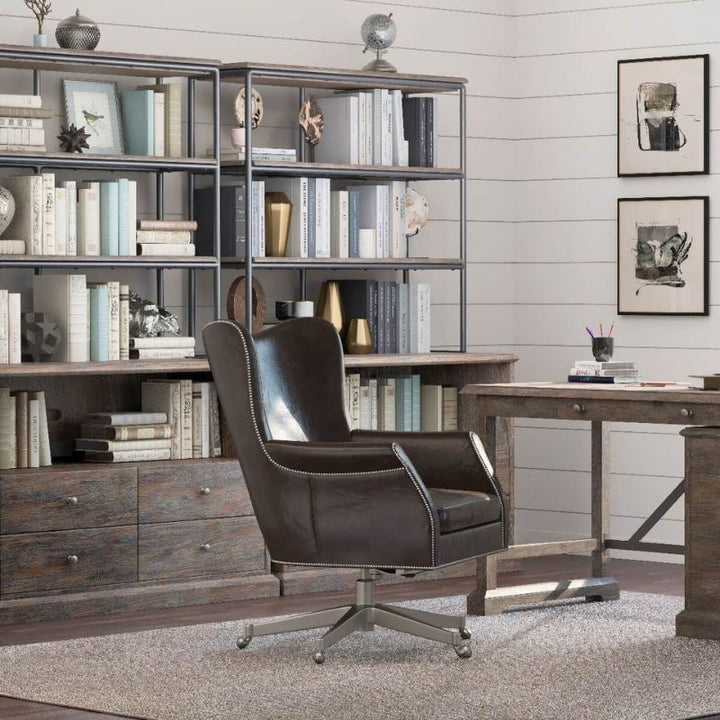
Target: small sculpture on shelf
278,211
236,303
77,32
417,211
147,319
7,209
379,33
73,139
40,9
359,338
40,337
257,108
311,121
329,304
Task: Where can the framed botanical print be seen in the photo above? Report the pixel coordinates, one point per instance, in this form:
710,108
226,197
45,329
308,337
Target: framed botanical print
95,106
663,256
663,116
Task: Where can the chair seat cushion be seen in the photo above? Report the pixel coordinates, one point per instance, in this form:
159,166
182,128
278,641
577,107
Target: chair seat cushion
461,509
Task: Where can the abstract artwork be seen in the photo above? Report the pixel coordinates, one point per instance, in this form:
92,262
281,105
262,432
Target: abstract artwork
663,116
663,256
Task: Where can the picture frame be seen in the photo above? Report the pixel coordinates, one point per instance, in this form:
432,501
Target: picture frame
96,106
662,256
663,116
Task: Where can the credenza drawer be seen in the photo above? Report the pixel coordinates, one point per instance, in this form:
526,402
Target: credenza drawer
67,560
97,497
192,491
202,547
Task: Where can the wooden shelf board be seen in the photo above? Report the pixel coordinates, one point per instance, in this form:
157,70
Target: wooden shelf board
350,263
80,160
104,260
433,358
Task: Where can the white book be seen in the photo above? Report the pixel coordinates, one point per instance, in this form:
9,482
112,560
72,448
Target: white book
369,127
44,435
170,249
48,180
296,190
168,341
186,398
258,208
128,455
21,428
114,320
380,103
196,421
22,101
27,223
33,433
339,224
340,143
173,114
399,152
431,408
124,322
159,134
32,137
162,353
322,217
177,237
132,217
398,222
12,247
363,129
71,233
88,220
386,404
205,419
373,385
14,325
8,447
60,221
354,392
373,206
364,422
403,318
93,445
165,397
122,419
450,405
36,123
419,318
4,328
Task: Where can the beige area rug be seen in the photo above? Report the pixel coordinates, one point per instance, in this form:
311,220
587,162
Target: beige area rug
618,660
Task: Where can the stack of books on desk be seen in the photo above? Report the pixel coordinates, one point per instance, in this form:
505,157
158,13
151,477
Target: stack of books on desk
608,372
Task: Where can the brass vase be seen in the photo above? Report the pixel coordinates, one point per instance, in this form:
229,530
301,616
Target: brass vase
359,340
278,211
329,305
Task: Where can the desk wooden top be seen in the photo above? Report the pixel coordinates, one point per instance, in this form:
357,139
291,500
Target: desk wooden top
589,391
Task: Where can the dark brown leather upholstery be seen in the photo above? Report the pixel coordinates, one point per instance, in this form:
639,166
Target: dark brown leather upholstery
324,495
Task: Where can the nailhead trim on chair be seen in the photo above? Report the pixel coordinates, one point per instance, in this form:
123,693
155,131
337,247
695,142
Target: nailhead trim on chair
485,462
343,474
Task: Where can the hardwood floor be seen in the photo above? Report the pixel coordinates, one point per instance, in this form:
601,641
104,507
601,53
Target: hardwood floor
633,575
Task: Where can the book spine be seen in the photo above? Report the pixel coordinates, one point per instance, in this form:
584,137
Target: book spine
21,101
186,395
377,126
160,431
132,217
162,342
261,217
159,130
343,225
124,322
362,130
37,217
14,324
21,428
353,224
163,236
4,328
591,379
31,137
304,220
109,225
173,120
387,136
424,307
430,132
8,438
145,417
33,433
404,318
12,247
129,456
94,445
114,320
170,249
20,122
89,220
381,345
215,435
393,317
398,129
123,216
99,322
60,221
48,180
168,226
196,420
71,233
312,218
45,458
162,353
205,439
416,403
372,305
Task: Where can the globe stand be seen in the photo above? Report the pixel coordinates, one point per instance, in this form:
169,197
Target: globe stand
380,64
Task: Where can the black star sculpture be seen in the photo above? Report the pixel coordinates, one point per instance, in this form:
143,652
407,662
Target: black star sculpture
73,139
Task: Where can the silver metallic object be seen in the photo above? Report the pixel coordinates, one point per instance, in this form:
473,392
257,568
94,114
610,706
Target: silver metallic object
378,33
77,32
72,559
7,209
363,616
149,320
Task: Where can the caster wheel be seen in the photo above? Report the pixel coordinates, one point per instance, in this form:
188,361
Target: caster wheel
594,598
243,642
465,634
463,651
319,658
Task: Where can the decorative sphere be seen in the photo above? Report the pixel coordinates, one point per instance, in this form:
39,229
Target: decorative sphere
7,209
378,31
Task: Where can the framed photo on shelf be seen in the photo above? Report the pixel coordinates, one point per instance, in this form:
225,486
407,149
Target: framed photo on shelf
663,116
95,106
663,256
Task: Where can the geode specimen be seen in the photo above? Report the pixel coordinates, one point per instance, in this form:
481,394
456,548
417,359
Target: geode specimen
149,320
311,120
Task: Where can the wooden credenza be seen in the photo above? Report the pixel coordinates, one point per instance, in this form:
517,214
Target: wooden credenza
88,539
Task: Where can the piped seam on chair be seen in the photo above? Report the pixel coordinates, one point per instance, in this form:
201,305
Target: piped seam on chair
474,440
403,466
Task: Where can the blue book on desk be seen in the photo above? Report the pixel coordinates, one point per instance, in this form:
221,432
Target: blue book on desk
138,116
591,379
109,220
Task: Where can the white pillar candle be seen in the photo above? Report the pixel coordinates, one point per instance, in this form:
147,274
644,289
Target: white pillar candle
304,308
366,243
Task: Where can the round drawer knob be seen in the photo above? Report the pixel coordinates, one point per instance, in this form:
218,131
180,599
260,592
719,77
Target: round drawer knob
205,547
578,408
72,559
686,412
71,500
205,491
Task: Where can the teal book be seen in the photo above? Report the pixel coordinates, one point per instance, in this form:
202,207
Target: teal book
109,224
416,403
138,117
403,403
123,216
99,325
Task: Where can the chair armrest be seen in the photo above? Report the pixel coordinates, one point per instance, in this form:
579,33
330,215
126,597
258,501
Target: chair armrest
369,506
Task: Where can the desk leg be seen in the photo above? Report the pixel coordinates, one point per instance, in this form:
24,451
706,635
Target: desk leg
600,495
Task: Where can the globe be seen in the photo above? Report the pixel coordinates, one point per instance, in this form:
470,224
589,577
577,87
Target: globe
378,33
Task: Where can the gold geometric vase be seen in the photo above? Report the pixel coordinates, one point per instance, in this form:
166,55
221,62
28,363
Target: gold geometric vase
278,211
329,305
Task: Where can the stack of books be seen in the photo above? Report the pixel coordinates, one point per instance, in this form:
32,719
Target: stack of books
364,128
398,314
24,436
399,403
162,347
420,115
10,325
192,412
608,372
21,123
166,237
151,117
89,218
259,153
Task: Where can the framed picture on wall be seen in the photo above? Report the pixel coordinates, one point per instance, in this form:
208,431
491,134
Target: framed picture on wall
95,106
663,116
663,256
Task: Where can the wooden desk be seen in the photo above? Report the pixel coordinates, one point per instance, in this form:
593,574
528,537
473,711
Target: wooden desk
597,404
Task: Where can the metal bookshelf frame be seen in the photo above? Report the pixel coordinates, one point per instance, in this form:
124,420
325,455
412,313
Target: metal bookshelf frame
304,78
38,60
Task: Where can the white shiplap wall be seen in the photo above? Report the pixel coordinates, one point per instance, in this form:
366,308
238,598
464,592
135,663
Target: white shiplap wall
565,244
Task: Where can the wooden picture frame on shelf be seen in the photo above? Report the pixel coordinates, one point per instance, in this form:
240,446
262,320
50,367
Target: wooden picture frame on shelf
95,106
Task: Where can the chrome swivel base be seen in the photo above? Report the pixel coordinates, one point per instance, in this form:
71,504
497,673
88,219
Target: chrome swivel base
364,615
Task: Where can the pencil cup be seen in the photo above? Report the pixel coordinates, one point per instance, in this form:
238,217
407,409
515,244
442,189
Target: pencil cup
602,348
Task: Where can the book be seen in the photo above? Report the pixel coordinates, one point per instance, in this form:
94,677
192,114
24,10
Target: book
416,399
258,155
705,382
48,237
88,219
7,430
607,365
124,322
399,144
61,213
196,421
33,432
354,400
373,205
21,427
160,431
397,191
21,122
215,434
138,118
162,353
419,318
201,420
99,322
590,379
64,298
71,197
432,408
386,404
166,248
31,137
364,406
128,456
123,216
26,112
4,328
232,220
322,217
97,445
132,218
297,191
450,409
164,236
109,218
172,110
164,398
27,223
113,320
419,125
339,224
168,225
128,418
163,341
186,400
159,129
403,403
340,143
12,247
35,149
353,224
14,322
43,433
20,101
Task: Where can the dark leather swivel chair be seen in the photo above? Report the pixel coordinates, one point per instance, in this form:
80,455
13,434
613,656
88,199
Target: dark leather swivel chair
326,496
